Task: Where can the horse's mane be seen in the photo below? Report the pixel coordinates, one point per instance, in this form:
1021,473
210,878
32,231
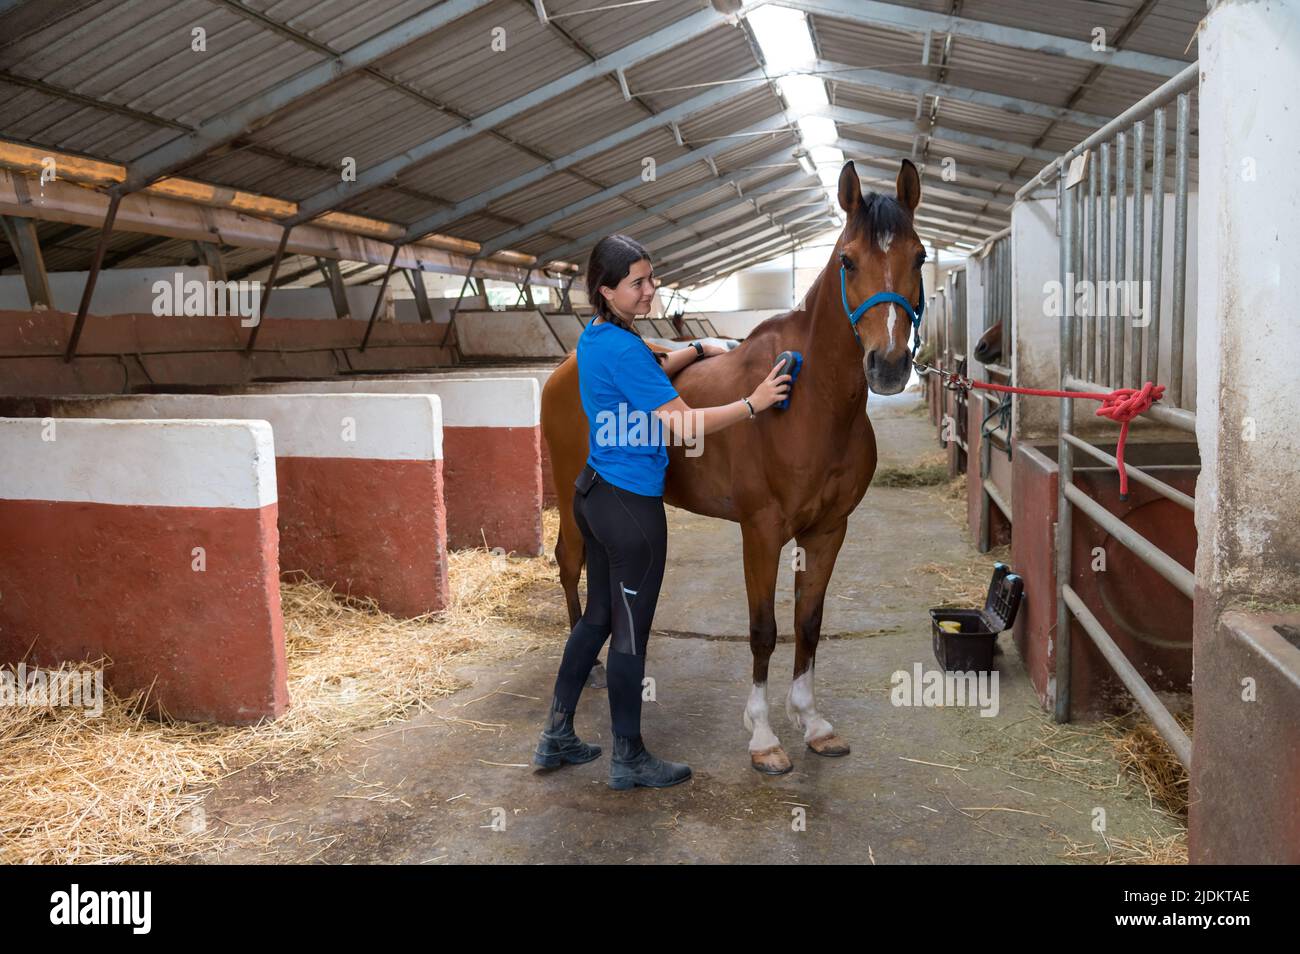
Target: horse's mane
879,215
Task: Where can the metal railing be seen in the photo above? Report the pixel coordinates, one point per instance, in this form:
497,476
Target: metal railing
995,278
1101,350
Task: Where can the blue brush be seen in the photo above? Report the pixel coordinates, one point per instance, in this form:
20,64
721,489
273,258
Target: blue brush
791,362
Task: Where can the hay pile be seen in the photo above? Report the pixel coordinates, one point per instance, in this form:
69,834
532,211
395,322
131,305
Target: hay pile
124,788
1086,753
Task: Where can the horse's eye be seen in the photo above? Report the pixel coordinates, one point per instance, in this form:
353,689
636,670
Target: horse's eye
846,261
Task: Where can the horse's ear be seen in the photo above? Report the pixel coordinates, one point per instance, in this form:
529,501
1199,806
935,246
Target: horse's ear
850,188
909,186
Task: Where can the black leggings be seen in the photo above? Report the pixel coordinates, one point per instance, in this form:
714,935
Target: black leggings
626,536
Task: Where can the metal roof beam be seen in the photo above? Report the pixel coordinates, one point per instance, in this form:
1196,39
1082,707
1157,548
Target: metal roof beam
508,239
584,242
910,20
712,98
750,229
762,239
386,171
858,117
749,259
874,154
879,79
732,227
235,122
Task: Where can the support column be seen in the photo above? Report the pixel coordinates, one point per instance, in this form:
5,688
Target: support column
21,234
1246,740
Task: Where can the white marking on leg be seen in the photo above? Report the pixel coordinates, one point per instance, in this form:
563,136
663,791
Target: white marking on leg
756,719
801,709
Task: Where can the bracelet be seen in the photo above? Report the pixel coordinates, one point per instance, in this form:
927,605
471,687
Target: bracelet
699,349
750,406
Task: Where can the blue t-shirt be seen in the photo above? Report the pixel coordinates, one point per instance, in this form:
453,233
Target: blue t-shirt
621,383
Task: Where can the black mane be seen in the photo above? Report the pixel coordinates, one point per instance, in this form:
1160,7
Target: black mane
878,215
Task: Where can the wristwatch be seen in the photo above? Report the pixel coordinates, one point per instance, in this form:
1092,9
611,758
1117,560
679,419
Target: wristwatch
699,348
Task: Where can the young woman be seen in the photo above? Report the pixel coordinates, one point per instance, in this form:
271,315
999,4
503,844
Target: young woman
619,506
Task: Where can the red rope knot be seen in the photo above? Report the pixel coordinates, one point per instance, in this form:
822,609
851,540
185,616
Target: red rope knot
1122,406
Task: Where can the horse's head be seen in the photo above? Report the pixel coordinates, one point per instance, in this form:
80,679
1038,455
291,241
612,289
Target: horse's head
989,348
879,252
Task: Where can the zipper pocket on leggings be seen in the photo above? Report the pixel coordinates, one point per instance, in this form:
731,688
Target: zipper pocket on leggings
630,627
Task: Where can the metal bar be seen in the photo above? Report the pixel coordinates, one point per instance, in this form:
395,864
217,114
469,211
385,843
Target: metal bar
334,280
1065,476
270,286
1164,94
1119,364
1180,250
26,244
1103,331
379,299
1141,476
415,278
1163,720
1076,221
115,200
459,298
1175,417
1152,313
1173,571
1090,249
1131,379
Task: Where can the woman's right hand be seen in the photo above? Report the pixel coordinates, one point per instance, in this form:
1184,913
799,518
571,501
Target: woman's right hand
775,387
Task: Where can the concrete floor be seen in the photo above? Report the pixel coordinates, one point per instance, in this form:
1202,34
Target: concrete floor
430,790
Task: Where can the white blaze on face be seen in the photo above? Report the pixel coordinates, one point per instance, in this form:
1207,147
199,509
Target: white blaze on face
802,710
885,241
756,720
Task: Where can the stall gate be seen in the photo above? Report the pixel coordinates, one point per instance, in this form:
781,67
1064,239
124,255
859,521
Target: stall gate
989,481
1100,349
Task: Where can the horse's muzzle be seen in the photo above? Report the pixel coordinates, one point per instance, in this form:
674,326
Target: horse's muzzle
887,377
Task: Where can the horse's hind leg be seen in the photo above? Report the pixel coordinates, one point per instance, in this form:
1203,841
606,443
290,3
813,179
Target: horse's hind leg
820,550
570,552
762,551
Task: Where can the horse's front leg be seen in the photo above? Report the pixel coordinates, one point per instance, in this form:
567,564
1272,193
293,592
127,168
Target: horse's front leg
762,548
820,548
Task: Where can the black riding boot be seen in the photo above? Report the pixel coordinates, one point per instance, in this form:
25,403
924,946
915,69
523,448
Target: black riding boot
632,765
560,744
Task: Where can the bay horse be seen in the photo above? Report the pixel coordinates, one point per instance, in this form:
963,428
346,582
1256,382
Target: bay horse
797,472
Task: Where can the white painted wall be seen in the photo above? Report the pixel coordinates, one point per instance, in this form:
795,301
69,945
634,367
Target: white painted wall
118,291
466,402
505,334
337,426
1248,494
157,463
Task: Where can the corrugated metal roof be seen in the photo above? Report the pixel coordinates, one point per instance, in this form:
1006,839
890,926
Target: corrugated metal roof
117,79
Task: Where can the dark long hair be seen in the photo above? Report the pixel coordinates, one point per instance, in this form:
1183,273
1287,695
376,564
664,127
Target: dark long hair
611,260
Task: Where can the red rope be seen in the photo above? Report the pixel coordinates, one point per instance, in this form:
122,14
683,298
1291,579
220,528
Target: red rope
1121,406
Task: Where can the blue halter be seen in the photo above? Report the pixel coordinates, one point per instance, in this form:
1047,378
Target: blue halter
881,298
